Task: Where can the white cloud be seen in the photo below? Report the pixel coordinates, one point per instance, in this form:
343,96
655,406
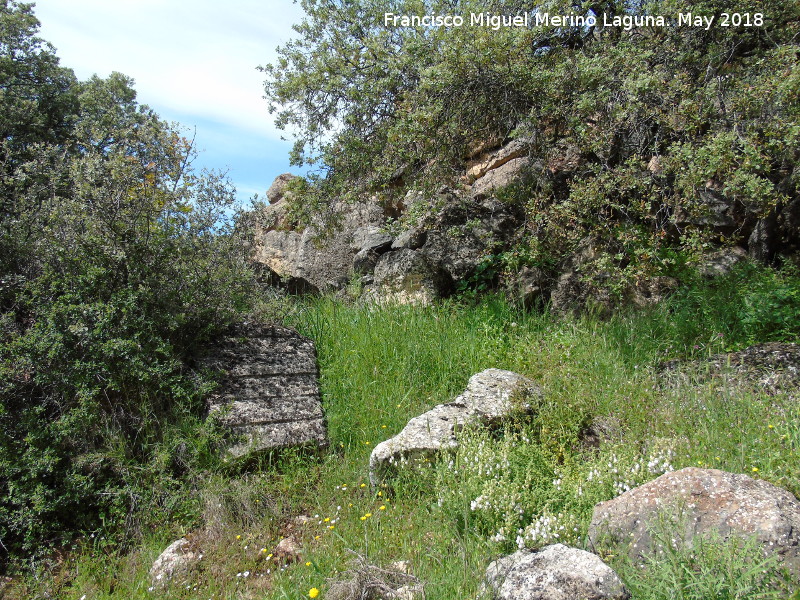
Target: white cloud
196,58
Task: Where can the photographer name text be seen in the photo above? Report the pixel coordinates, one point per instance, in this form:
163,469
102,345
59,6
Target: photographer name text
540,19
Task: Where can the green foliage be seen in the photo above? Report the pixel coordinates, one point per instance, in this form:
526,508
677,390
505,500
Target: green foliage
118,263
753,304
639,137
534,481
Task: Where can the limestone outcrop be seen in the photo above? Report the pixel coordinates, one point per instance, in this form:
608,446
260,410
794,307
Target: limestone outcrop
419,264
309,259
488,398
269,393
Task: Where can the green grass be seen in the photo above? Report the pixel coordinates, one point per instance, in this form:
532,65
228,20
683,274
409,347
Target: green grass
380,366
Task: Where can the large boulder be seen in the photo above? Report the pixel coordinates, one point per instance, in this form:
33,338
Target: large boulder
489,397
320,256
408,277
464,231
269,393
555,572
702,502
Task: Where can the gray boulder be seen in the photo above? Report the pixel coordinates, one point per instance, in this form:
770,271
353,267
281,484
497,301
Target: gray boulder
466,230
407,277
174,564
721,262
413,238
371,237
270,390
320,256
277,190
555,572
702,502
489,397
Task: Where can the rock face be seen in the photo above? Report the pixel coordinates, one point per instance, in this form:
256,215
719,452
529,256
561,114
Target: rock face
501,177
464,231
420,264
555,572
489,161
487,399
721,262
270,391
407,277
317,262
703,501
174,563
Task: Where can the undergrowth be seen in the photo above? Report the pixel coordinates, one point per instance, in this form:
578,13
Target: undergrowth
532,483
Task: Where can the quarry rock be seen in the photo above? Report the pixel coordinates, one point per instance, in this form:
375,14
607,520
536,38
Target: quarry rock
501,177
489,161
702,502
556,572
413,238
371,237
318,257
489,398
269,392
465,231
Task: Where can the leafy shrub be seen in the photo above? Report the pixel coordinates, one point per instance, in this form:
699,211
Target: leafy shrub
118,263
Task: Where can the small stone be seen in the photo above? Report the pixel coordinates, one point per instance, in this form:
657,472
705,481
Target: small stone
288,549
175,562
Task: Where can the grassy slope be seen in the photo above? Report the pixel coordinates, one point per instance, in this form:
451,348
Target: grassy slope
382,366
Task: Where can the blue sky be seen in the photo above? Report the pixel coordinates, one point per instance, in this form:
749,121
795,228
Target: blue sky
194,62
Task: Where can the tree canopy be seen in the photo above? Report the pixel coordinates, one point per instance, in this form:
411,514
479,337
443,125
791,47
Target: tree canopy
117,262
712,111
